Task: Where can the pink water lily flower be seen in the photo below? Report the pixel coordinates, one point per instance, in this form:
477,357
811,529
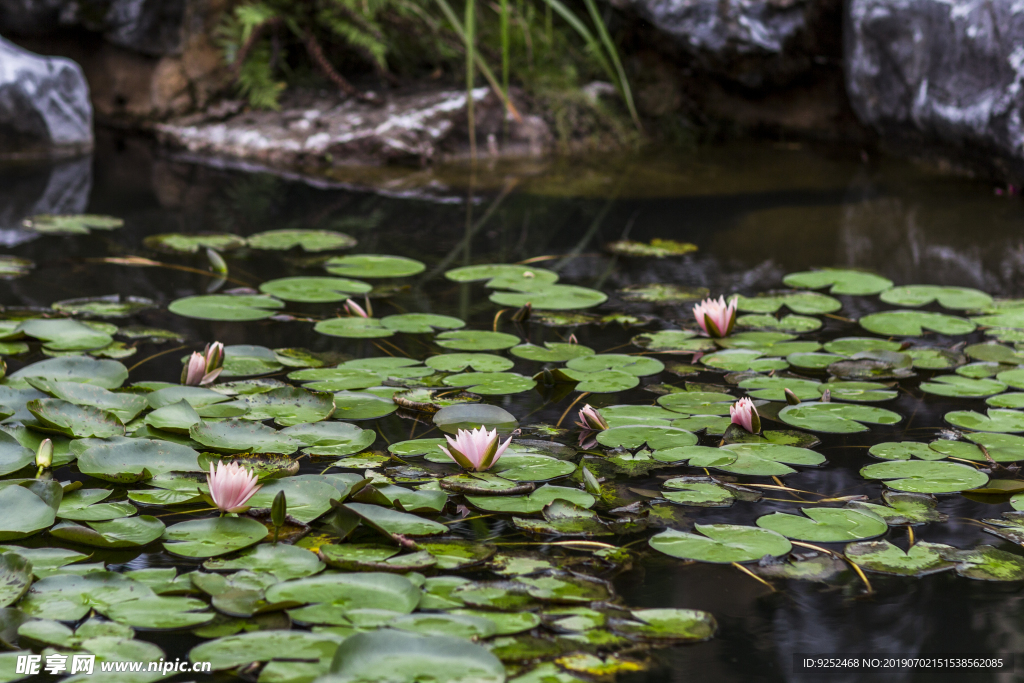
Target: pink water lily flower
590,418
745,415
231,486
476,449
203,368
716,317
355,310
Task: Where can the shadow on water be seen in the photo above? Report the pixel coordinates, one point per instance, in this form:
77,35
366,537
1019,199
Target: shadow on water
755,211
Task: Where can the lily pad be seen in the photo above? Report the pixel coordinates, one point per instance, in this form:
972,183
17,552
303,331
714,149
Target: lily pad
654,436
957,298
550,297
191,244
551,352
826,525
921,476
308,240
407,657
836,418
373,266
885,558
491,383
839,281
234,436
314,289
211,537
804,303
502,275
795,324
132,460
130,532
476,340
459,362
996,420
962,387
907,323
722,543
225,307
71,224
361,405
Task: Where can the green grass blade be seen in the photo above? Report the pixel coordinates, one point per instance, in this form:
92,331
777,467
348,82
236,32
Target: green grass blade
592,43
470,28
624,88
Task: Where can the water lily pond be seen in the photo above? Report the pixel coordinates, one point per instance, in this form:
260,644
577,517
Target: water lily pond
879,333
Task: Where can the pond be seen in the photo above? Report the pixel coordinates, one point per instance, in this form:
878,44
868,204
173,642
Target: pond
633,243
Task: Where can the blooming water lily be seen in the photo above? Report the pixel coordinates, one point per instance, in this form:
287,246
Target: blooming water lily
476,449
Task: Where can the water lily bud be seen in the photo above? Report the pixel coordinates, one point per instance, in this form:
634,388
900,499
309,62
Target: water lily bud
716,317
279,509
744,414
355,310
791,398
214,355
44,454
194,371
217,263
827,396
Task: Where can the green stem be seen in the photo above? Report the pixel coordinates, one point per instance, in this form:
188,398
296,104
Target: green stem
470,24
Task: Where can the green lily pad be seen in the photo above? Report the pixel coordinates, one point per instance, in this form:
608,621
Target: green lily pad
906,323
289,406
697,491
421,323
813,361
132,460
130,532
394,522
795,324
70,224
407,657
314,289
804,303
985,563
773,388
191,244
905,450
308,240
533,503
921,476
962,387
73,420
549,297
330,438
839,281
836,418
638,366
361,405
531,467
476,340
234,436
246,360
858,392
903,508
458,362
767,459
738,360
1012,378
885,558
226,307
111,306
1013,400
13,456
722,543
373,266
491,383
502,275
123,406
957,298
69,597
285,562
83,505
211,537
472,415
262,646
936,359
551,352
67,335
308,497
353,327
602,381
826,525
15,577
654,436
13,267
997,420
673,340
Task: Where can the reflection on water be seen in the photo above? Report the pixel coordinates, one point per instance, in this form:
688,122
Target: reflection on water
756,212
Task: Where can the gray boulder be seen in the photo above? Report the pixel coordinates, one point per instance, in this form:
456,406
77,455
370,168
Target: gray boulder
152,27
755,43
44,105
942,72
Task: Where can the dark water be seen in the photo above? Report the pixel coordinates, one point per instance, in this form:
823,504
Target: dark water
756,212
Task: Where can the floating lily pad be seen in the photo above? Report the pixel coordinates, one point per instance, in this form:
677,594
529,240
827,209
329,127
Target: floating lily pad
839,281
962,387
836,418
308,240
654,436
767,459
314,289
551,352
395,522
738,360
111,306
985,563
491,383
15,577
906,323
804,303
774,388
663,293
361,405
290,406
13,266
673,340
133,460
550,297
502,275
921,476
192,244
472,415
476,340
458,362
534,502
826,525
130,532
262,646
211,537
903,508
905,450
71,224
234,436
73,420
421,323
858,392
795,324
885,558
373,266
226,307
407,657
996,420
697,491
957,298
68,335
330,438
246,360
722,543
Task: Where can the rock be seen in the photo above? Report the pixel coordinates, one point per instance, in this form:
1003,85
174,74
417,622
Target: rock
322,133
44,105
33,17
152,27
755,43
935,71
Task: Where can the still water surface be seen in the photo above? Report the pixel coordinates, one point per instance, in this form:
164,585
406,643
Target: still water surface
755,211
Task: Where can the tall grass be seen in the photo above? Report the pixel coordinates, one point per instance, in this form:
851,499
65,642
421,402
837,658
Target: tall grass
470,40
